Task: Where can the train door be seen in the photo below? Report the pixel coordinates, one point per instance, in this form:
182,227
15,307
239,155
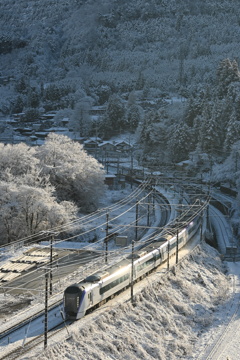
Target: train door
90,298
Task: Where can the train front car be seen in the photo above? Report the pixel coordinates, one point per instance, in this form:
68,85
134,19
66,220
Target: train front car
74,302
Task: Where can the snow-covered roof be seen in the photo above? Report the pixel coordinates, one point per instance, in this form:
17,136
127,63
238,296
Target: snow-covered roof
104,143
95,138
122,142
89,141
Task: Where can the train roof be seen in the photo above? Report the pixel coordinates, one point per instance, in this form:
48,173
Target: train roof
138,253
100,275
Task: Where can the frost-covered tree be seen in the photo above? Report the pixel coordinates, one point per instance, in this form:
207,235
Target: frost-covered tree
148,131
232,133
227,73
194,107
27,210
210,140
18,159
80,121
40,187
75,175
179,143
131,99
134,115
229,169
114,119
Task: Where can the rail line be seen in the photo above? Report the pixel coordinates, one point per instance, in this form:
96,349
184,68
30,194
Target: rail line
29,345
18,326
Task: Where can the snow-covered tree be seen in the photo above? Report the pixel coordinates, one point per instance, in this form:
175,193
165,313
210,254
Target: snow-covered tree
229,170
27,210
80,121
75,175
232,133
40,187
134,116
227,73
210,134
148,128
179,143
114,119
19,159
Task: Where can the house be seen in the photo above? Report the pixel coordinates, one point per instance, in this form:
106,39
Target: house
98,110
95,138
110,180
48,116
90,144
123,146
106,146
65,121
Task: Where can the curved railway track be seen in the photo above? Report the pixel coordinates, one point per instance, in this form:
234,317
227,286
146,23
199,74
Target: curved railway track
28,345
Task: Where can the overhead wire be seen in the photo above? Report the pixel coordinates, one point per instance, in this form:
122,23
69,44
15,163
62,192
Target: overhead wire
128,225
45,234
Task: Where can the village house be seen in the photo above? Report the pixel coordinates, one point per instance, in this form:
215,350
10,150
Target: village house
123,146
106,146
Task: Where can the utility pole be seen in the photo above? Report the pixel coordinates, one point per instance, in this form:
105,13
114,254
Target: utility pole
168,259
131,169
136,223
132,272
153,199
51,258
106,239
46,310
148,211
177,248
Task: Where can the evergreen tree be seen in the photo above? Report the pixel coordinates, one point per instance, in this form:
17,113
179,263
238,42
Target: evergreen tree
81,120
134,116
179,143
114,119
233,132
227,73
140,81
210,139
148,131
18,105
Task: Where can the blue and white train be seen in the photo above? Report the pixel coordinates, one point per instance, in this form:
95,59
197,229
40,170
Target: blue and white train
97,288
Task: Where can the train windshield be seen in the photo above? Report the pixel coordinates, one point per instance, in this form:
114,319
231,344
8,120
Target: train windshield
73,296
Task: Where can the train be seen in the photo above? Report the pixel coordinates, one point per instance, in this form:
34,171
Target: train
97,288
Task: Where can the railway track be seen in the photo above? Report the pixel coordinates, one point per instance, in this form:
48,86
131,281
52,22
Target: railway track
15,327
34,342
